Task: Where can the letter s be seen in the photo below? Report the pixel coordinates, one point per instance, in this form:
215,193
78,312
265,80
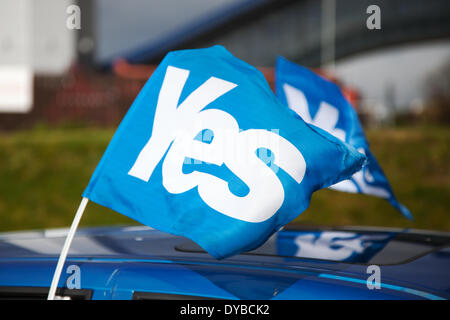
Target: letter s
266,191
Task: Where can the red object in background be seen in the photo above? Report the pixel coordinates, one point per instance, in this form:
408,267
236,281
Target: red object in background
132,71
87,97
126,70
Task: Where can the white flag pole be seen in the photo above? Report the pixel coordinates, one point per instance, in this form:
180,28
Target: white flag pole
65,249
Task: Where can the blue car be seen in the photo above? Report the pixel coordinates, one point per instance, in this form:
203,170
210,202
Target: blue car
141,263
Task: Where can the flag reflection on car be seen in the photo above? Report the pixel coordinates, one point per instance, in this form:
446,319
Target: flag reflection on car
332,245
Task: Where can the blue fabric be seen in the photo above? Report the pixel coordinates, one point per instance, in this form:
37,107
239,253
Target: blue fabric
321,103
186,199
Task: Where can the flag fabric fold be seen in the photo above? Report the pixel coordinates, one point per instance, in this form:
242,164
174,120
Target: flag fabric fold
321,103
207,151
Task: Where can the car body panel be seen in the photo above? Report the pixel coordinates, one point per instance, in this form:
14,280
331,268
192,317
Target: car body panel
305,263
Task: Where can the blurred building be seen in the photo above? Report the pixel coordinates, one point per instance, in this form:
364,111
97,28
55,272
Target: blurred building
50,72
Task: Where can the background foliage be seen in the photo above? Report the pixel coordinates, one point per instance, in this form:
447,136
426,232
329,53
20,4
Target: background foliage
44,171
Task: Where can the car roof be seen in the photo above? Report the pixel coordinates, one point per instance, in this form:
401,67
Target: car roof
335,258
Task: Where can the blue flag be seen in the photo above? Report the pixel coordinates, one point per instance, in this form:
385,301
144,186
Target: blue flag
321,103
206,151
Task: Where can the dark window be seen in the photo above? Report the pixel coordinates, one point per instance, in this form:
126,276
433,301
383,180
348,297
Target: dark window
166,296
349,246
40,293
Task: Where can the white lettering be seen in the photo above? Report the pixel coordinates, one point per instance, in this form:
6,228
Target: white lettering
174,130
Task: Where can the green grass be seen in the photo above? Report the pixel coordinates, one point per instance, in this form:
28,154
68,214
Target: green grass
44,171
